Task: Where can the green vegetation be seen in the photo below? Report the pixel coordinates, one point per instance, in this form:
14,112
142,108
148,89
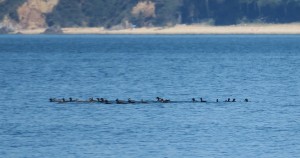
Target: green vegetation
220,12
225,12
90,12
9,7
108,13
168,12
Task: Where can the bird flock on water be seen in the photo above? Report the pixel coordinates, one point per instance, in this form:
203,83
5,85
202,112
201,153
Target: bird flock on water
130,101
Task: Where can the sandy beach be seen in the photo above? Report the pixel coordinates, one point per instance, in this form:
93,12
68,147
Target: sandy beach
293,28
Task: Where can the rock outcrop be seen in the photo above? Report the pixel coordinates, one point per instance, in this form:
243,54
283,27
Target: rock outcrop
32,13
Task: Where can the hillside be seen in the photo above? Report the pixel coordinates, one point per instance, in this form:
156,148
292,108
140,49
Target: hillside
116,14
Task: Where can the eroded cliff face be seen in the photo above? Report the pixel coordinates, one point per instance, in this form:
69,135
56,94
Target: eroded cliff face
32,13
144,8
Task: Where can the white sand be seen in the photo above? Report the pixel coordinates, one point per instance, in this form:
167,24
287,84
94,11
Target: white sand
293,28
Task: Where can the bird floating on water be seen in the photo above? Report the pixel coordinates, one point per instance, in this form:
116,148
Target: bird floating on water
130,101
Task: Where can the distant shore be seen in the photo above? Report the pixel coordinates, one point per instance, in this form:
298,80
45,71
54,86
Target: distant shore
293,28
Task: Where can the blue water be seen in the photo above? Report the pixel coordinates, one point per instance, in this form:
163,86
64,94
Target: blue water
262,68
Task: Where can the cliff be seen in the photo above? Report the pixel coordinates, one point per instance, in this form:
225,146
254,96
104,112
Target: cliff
32,13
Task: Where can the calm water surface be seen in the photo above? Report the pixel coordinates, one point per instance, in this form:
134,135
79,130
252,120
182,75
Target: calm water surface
262,68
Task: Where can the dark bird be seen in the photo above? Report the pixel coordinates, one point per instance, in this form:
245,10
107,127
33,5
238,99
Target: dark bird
120,101
158,98
91,99
201,100
107,102
130,101
193,99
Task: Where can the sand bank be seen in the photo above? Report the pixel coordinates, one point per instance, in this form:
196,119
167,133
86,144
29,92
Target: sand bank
293,28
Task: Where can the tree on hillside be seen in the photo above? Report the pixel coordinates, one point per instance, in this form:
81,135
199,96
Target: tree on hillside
167,12
9,7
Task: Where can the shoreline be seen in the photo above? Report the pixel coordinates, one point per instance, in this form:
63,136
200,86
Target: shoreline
293,28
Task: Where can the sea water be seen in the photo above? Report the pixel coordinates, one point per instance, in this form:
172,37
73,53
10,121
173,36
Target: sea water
262,68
